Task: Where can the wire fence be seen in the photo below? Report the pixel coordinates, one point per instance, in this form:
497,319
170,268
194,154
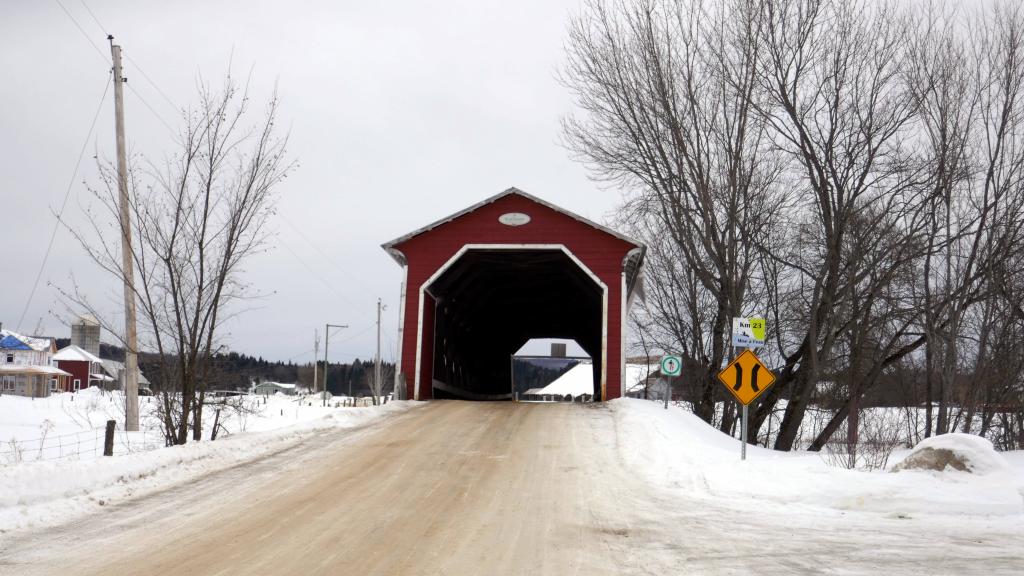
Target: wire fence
83,445
46,444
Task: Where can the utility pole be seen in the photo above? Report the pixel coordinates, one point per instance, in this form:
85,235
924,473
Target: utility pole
316,355
327,342
131,360
378,385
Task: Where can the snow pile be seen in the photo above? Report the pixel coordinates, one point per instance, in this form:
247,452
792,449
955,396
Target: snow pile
956,451
677,451
50,492
577,381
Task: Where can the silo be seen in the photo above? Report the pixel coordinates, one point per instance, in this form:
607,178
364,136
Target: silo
85,333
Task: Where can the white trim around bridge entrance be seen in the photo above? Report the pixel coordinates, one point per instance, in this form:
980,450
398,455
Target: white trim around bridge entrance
512,247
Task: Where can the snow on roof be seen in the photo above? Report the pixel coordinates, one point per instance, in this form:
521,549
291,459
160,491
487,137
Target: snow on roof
577,381
74,353
112,367
22,369
101,377
13,341
87,319
277,384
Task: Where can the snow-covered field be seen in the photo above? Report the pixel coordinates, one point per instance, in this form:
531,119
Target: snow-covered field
65,425
52,467
676,450
71,425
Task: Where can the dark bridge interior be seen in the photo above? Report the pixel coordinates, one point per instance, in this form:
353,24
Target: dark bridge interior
491,302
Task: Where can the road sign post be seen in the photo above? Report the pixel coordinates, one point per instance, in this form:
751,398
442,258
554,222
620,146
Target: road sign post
743,432
670,366
746,378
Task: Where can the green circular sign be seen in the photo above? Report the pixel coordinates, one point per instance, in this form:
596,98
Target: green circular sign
671,365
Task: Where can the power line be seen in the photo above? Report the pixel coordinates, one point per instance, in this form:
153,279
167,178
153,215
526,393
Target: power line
357,334
300,355
159,117
107,61
93,16
154,84
390,343
129,58
84,33
151,109
350,355
325,255
348,339
314,272
67,194
322,280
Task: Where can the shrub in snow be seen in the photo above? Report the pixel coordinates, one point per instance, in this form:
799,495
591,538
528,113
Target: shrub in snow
963,452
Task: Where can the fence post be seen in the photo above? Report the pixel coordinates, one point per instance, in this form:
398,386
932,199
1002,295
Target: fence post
108,441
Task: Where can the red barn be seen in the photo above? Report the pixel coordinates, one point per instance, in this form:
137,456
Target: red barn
84,367
482,282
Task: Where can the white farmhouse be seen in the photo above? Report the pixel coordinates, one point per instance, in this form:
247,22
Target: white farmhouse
26,366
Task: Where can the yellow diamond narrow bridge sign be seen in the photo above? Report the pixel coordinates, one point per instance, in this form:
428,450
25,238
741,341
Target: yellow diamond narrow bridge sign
746,377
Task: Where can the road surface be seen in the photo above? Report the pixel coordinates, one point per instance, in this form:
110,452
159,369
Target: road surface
459,488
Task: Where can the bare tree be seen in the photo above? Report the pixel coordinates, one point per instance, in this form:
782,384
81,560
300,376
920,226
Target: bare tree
668,93
967,76
838,111
963,74
378,386
841,130
196,218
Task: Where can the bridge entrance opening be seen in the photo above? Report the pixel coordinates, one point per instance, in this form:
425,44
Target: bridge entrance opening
489,302
548,370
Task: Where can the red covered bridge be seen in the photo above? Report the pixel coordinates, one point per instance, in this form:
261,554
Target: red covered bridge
482,282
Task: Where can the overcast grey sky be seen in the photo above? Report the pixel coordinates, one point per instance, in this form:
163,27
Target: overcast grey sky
399,113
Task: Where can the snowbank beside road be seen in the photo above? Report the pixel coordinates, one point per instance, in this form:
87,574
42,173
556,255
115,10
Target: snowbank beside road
959,451
45,493
676,450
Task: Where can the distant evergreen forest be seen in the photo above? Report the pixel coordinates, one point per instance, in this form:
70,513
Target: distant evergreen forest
539,372
234,371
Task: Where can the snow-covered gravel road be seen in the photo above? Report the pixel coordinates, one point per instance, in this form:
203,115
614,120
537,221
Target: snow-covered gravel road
490,488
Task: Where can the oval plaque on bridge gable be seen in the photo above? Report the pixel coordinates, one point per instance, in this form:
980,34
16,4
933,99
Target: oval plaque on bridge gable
514,219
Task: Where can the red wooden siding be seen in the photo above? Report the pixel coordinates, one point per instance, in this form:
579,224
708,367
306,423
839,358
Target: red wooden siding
79,369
